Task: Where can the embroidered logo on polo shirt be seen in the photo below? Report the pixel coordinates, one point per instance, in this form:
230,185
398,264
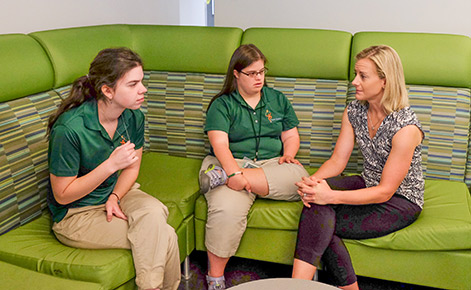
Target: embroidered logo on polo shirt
268,115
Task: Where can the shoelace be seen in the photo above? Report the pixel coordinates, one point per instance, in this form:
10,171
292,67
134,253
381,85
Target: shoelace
214,178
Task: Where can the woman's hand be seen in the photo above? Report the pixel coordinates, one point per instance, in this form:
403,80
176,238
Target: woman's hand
123,156
239,182
113,209
313,190
288,159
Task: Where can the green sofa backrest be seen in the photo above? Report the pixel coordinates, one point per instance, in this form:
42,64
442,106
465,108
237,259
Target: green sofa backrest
26,101
185,48
314,79
24,67
71,50
310,66
303,53
437,70
184,69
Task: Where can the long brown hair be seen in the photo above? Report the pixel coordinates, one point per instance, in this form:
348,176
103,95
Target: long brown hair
106,69
242,57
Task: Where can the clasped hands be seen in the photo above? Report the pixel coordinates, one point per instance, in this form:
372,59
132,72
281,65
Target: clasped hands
314,190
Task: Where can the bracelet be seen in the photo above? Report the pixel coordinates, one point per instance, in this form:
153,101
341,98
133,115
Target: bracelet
234,174
117,196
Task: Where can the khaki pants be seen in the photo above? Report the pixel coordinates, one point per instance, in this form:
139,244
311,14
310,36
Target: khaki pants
228,209
152,241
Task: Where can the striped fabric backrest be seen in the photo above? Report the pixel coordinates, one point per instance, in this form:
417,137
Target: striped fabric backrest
176,106
175,109
23,158
319,105
444,113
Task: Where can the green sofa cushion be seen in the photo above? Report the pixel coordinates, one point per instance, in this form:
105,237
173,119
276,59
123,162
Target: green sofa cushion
34,246
437,269
14,277
71,50
444,224
161,175
185,48
304,53
22,59
428,59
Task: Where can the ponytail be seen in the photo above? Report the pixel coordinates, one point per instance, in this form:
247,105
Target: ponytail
81,91
107,68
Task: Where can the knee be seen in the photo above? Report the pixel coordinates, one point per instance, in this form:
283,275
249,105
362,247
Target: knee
152,212
227,214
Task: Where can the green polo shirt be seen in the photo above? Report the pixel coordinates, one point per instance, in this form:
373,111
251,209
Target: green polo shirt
243,124
78,143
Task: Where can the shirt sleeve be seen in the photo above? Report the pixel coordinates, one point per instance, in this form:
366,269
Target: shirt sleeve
290,119
64,152
218,117
138,132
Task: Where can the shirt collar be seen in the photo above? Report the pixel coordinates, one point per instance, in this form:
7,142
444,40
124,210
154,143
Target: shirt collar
91,120
236,95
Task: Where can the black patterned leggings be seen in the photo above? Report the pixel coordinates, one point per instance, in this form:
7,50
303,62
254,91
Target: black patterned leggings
322,227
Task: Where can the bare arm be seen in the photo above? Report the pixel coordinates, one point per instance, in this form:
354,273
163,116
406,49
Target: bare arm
220,142
71,188
342,151
403,145
290,139
125,181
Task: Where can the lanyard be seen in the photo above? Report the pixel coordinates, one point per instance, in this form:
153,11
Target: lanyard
257,136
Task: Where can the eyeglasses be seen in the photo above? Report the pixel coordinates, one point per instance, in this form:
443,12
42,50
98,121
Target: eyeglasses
252,74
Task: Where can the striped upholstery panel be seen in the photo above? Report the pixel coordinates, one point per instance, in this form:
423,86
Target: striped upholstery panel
23,158
445,115
176,104
319,105
175,110
63,92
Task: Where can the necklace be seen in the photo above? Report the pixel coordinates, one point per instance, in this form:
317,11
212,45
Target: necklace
123,139
373,126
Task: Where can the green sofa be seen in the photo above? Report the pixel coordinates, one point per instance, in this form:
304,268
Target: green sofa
184,67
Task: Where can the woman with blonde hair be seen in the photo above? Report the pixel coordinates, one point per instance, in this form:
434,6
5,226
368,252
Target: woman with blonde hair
387,196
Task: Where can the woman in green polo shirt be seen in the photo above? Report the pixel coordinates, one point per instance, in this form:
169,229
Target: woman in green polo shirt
97,132
254,140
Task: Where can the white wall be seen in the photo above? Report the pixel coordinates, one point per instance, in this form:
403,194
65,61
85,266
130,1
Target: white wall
24,16
440,16
193,12
436,16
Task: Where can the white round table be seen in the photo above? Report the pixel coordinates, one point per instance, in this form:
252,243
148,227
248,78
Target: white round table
283,284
